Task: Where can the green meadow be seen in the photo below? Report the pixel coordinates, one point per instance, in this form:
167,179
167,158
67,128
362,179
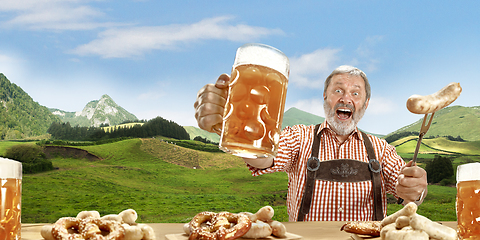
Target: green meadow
165,183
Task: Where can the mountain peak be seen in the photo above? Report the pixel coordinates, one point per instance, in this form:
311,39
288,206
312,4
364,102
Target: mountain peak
105,96
96,113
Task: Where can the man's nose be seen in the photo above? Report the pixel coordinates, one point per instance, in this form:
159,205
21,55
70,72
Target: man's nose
346,99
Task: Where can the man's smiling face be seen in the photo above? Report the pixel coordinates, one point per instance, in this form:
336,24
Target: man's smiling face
345,102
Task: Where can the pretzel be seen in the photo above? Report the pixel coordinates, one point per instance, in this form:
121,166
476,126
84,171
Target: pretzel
222,226
88,225
67,228
70,228
371,228
98,229
241,225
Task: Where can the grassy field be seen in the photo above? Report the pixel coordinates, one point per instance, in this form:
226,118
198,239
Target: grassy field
4,145
130,177
164,182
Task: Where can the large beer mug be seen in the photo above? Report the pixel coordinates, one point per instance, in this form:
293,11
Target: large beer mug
468,201
256,100
10,199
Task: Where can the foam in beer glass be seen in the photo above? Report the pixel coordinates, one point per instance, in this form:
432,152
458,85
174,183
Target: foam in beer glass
468,201
256,100
10,199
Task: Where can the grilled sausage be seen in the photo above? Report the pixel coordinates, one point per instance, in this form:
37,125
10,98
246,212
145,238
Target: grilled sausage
434,102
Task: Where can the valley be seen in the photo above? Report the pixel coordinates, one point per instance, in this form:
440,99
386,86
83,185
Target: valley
165,182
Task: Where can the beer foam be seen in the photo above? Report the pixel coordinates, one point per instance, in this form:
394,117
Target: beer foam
10,168
260,54
468,172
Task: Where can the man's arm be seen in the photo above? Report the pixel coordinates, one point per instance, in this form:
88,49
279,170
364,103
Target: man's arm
260,163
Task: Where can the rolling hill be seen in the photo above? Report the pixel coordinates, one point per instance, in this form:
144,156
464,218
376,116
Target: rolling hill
451,121
20,116
295,116
292,116
168,179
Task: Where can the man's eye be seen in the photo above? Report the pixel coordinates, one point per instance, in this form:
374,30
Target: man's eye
355,94
338,90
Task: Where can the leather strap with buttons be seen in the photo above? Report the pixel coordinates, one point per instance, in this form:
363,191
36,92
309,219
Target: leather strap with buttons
342,170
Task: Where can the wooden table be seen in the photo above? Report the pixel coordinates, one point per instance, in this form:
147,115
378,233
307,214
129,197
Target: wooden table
308,230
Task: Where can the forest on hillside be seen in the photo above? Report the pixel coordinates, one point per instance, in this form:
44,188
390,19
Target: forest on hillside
20,116
155,127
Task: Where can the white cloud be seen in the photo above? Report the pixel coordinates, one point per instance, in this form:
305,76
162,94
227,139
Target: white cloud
135,41
4,59
147,96
381,106
12,68
311,69
366,54
313,106
183,118
53,15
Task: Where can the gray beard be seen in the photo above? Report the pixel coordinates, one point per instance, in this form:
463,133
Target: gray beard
343,128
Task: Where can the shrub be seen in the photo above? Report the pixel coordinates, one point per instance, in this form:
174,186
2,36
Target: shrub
31,156
438,169
448,181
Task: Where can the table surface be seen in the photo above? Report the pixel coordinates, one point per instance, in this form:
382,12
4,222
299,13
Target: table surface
308,230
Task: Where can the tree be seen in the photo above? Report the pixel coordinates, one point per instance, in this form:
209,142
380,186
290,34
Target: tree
438,169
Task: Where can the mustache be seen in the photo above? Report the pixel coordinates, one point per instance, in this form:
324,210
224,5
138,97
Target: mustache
349,106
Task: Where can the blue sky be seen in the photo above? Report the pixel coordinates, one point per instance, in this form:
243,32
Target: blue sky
152,57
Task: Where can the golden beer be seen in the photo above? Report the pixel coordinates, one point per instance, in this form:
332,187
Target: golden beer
468,209
10,199
468,201
255,104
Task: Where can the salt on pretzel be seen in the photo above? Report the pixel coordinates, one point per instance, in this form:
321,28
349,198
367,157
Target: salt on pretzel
98,229
67,228
89,225
371,228
434,102
70,228
224,225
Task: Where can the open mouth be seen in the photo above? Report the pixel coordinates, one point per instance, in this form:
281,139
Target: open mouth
344,113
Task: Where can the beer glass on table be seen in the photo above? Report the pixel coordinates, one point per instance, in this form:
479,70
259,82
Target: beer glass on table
468,201
256,100
10,199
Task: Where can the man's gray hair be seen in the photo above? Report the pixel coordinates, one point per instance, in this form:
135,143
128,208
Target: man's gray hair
352,71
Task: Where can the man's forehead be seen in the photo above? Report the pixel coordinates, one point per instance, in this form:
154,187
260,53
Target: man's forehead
347,79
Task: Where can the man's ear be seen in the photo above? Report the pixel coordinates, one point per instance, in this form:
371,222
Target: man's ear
366,103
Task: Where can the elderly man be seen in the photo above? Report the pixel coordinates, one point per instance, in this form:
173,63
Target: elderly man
335,172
